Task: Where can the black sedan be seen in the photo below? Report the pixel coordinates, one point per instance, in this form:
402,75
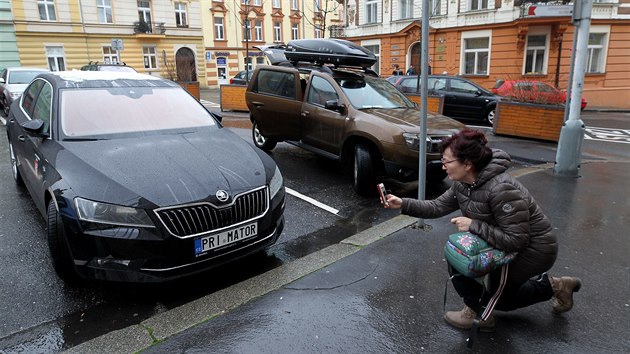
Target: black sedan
463,99
137,181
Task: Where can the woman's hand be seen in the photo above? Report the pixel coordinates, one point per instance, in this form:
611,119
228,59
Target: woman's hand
393,202
462,223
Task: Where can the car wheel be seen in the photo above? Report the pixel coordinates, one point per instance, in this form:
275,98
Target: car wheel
364,181
17,176
490,116
57,244
5,109
260,141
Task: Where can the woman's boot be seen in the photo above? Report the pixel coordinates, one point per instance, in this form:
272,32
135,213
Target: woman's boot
563,289
464,319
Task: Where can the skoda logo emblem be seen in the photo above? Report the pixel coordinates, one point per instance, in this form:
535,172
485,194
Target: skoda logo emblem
222,195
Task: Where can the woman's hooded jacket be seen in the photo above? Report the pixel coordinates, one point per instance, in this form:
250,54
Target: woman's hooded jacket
503,213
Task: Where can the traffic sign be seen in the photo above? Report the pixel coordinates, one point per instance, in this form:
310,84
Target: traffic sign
117,44
550,11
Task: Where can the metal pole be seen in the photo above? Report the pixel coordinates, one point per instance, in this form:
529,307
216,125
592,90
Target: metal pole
567,104
422,137
572,132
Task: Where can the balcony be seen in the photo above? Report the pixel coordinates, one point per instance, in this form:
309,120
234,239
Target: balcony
337,31
149,28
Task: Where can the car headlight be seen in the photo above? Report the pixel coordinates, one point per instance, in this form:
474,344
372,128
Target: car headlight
15,95
412,141
276,183
111,214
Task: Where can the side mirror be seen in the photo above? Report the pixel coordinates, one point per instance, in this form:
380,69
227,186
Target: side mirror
217,115
1,80
477,93
334,105
34,127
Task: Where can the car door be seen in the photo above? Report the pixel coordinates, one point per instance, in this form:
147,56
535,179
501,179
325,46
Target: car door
467,100
274,100
322,128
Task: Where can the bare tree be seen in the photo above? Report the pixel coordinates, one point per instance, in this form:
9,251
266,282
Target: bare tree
320,13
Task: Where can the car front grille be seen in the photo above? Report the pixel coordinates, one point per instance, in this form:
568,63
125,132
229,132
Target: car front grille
195,219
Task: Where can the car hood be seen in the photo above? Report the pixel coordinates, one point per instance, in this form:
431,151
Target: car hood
162,170
409,119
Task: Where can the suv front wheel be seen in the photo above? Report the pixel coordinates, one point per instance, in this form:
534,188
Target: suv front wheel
364,181
260,141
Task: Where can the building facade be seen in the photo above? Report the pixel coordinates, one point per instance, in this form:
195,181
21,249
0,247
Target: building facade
488,41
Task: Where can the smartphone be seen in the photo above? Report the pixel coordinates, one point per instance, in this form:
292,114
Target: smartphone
382,193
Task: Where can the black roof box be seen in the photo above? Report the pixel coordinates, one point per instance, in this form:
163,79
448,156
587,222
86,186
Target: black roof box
329,51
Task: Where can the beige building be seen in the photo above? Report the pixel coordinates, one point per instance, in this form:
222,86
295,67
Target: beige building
158,37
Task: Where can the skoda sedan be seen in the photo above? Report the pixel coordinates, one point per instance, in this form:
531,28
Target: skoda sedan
136,180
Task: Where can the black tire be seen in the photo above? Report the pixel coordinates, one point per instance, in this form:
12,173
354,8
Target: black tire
5,108
364,181
260,141
491,114
57,244
15,171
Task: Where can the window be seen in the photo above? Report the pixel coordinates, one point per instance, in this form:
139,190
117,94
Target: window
46,10
258,30
276,83
277,32
535,55
260,60
435,7
150,57
317,7
321,91
376,49
110,56
144,11
180,14
257,2
371,11
463,86
219,31
276,4
247,31
478,4
30,94
43,106
248,64
295,31
596,46
55,56
405,9
104,9
476,54
294,4
318,31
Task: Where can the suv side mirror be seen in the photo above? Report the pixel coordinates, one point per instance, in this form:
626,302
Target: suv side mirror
35,127
334,105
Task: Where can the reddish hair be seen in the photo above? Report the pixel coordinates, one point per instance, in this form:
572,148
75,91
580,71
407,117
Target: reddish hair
469,145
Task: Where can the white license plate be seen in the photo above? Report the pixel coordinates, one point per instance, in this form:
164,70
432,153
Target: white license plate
205,244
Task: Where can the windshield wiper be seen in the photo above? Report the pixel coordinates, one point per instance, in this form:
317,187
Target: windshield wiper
83,139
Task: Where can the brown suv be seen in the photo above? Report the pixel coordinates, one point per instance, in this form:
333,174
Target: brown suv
347,114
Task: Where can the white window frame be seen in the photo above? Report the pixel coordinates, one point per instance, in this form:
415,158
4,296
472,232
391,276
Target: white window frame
371,11
533,51
476,5
48,7
56,57
477,51
317,6
247,30
257,2
276,4
318,31
181,14
603,47
149,55
110,55
374,44
405,9
258,31
294,5
104,11
435,7
219,29
144,13
295,31
277,31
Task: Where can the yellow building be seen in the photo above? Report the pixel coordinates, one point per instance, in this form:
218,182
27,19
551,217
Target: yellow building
158,37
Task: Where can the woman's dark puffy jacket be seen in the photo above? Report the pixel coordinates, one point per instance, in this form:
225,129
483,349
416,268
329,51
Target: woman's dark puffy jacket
503,213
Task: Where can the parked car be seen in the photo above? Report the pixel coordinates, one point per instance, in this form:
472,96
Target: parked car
96,66
239,78
343,113
532,91
13,81
136,180
463,99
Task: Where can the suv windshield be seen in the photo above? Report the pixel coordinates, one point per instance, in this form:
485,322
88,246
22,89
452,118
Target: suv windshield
370,92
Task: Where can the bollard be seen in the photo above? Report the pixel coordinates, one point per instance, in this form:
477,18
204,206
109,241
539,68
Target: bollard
568,155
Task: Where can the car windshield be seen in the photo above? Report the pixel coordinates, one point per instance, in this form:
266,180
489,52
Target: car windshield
107,111
369,92
23,76
117,68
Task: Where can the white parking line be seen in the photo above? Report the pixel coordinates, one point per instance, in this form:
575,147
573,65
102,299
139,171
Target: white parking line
312,201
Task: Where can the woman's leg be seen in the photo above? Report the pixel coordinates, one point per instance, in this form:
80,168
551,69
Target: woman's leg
518,295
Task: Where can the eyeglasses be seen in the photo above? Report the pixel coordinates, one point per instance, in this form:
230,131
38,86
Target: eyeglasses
444,162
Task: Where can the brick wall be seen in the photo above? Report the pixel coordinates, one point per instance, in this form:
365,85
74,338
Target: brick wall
529,120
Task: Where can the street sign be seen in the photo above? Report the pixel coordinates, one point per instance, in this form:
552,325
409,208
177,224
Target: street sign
550,11
117,44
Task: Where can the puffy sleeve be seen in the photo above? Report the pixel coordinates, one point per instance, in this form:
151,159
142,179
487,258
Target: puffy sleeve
430,209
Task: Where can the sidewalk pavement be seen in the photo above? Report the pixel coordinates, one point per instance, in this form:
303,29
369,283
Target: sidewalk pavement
382,290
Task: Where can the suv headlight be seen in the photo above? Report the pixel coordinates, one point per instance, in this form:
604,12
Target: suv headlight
111,214
412,141
276,183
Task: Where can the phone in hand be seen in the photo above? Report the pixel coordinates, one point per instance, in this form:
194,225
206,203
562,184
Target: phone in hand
382,193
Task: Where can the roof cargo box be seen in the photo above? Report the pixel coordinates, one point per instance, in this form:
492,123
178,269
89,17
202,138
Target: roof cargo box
329,51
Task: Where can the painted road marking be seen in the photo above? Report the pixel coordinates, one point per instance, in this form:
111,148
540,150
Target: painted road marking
312,201
608,134
210,104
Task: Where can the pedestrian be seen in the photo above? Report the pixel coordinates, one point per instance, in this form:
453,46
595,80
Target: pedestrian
411,70
397,70
500,210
